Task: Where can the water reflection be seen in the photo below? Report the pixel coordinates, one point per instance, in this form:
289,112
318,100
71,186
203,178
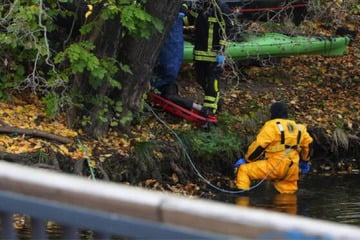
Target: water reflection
334,198
286,203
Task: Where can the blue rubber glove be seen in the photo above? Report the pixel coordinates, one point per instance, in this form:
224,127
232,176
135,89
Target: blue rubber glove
304,167
239,162
220,59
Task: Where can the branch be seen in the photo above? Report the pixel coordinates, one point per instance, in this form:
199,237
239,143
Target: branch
17,158
36,133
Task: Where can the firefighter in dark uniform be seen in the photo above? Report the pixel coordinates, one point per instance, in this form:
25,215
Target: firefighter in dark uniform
211,21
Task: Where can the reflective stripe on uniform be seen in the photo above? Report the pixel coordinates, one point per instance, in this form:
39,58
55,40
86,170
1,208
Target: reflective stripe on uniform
211,101
205,53
210,98
299,135
216,88
208,56
205,58
282,146
210,105
186,21
194,14
281,129
223,42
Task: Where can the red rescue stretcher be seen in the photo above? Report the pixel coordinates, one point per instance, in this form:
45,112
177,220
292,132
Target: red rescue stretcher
177,110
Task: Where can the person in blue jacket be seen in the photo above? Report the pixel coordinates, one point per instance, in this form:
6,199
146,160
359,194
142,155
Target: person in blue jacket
169,63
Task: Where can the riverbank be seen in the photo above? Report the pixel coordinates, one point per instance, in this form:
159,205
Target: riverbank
321,92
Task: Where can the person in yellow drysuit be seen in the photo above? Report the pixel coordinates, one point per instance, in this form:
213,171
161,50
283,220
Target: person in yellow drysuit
283,143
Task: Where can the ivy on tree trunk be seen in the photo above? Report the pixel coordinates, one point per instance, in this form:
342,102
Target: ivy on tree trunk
139,54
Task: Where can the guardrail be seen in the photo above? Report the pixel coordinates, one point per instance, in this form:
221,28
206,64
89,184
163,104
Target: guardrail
110,209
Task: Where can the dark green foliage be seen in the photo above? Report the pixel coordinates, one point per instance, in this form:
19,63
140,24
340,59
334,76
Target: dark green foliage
49,49
228,140
209,145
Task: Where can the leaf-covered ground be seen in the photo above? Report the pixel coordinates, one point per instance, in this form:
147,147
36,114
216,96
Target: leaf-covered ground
321,91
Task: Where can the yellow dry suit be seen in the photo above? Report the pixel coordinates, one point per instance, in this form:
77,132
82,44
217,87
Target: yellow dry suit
282,142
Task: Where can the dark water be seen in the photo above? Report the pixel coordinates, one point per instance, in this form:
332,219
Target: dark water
334,198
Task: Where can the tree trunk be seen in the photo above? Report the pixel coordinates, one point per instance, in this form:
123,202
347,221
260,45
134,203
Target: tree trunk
141,55
107,43
106,38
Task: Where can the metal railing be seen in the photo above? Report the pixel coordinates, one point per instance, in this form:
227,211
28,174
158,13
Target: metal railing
111,210
103,225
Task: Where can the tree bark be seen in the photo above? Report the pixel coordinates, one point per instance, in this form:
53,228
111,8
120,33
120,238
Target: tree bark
35,133
141,55
107,43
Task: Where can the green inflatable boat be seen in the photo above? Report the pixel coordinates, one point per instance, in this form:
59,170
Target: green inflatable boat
267,45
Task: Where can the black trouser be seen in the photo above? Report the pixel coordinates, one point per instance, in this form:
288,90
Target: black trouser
207,75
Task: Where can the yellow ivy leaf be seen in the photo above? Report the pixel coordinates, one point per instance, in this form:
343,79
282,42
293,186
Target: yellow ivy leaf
63,149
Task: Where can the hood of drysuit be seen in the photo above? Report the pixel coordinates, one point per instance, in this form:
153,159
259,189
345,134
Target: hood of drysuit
279,110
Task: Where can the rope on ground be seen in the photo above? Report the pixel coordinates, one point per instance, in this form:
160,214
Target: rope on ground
195,168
